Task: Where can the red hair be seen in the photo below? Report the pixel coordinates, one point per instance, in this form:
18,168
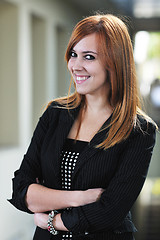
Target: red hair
116,53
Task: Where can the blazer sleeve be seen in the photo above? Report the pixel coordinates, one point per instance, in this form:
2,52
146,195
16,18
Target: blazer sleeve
30,169
123,189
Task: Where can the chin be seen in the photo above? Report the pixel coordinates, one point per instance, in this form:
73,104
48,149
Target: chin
81,92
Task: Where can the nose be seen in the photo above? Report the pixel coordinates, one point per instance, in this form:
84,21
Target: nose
78,64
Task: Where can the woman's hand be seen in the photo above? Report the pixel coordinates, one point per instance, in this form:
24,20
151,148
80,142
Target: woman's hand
87,196
93,195
40,220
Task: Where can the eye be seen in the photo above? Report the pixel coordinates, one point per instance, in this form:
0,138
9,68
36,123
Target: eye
73,54
89,57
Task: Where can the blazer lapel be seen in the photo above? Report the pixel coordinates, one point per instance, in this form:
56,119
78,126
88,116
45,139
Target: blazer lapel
66,120
91,149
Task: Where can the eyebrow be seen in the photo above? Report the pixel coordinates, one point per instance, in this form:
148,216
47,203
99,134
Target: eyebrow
87,52
90,52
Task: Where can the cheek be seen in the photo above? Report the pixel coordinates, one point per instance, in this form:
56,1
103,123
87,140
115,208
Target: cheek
103,73
105,76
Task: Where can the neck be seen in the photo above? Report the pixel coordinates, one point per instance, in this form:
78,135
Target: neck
96,105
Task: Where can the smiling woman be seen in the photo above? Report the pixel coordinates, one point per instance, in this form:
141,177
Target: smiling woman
90,152
87,69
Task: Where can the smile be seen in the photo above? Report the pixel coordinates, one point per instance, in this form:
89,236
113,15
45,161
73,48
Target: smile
81,79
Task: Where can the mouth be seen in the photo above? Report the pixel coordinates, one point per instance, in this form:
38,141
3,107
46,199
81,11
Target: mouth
81,79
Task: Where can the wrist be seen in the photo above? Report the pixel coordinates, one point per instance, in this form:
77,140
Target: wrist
77,198
50,225
58,223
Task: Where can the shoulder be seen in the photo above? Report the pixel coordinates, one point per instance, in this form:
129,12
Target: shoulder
54,105
51,111
56,109
144,124
144,131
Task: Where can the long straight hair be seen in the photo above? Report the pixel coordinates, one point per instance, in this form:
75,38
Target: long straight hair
116,52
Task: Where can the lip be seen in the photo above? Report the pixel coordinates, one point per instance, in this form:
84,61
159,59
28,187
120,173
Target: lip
79,79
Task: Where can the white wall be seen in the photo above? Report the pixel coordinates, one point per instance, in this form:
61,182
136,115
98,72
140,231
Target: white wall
8,74
32,82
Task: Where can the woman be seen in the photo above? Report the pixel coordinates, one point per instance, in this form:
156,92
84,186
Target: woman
90,152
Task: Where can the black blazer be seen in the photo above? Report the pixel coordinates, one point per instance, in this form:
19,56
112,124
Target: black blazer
121,170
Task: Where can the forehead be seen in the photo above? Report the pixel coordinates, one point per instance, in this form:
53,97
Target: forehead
88,43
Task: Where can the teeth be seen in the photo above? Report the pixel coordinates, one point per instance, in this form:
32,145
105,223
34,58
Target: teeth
82,78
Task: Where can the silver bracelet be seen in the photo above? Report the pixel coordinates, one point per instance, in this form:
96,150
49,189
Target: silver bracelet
50,226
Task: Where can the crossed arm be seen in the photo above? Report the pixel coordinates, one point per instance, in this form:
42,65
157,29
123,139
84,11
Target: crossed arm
40,199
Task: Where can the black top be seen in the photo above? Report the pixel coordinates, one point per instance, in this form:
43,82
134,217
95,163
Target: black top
69,157
120,170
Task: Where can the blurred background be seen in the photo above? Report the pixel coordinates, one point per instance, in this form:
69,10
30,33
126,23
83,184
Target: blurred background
33,39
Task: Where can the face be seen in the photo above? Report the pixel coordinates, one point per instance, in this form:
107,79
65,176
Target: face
86,68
